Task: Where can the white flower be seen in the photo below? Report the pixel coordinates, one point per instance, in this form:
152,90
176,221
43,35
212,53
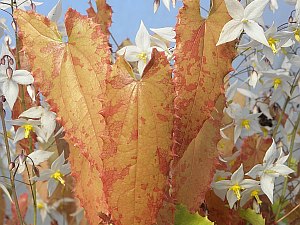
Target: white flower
10,77
234,186
47,118
244,19
165,2
140,53
273,5
26,127
246,124
271,168
55,174
278,80
167,33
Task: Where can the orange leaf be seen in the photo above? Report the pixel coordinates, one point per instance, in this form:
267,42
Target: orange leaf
71,75
102,16
200,67
194,171
139,117
88,186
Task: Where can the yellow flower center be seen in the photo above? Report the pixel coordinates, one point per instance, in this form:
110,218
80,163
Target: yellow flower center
297,34
28,128
244,21
142,56
58,177
272,42
40,205
237,190
9,134
246,124
277,82
254,194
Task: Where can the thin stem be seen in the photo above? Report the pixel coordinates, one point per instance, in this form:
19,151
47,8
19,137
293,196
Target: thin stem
33,193
289,213
294,132
11,175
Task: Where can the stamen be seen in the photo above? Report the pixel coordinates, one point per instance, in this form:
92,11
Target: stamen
28,128
277,82
143,56
58,177
237,190
246,124
254,194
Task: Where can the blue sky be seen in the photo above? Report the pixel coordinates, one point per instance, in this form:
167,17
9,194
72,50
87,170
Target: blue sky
128,14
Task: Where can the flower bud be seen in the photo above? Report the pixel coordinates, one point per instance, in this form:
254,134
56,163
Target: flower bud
11,165
36,171
291,19
9,72
2,62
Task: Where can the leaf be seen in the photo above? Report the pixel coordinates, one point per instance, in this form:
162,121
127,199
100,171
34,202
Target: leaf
88,186
5,191
139,118
194,171
72,76
200,68
2,207
219,212
102,16
252,217
184,217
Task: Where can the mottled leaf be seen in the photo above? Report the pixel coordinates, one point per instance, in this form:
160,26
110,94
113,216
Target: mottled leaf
194,171
72,76
252,152
200,67
184,217
102,16
139,117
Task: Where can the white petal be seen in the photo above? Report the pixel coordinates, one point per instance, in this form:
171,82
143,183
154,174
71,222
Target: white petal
256,32
39,156
255,9
19,134
271,154
167,33
33,112
10,90
231,198
58,162
56,12
238,175
141,66
282,169
22,77
237,132
167,4
235,9
267,186
52,185
255,171
131,53
247,93
142,39
230,31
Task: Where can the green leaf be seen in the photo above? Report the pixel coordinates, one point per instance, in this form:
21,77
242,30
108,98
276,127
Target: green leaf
252,217
184,217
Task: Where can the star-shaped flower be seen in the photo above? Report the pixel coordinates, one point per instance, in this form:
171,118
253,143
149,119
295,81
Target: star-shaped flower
272,167
10,78
55,174
244,19
141,52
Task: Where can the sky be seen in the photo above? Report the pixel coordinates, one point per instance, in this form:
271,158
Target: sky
127,14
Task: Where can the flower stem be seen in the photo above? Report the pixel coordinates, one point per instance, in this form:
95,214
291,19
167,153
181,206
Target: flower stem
11,175
294,132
